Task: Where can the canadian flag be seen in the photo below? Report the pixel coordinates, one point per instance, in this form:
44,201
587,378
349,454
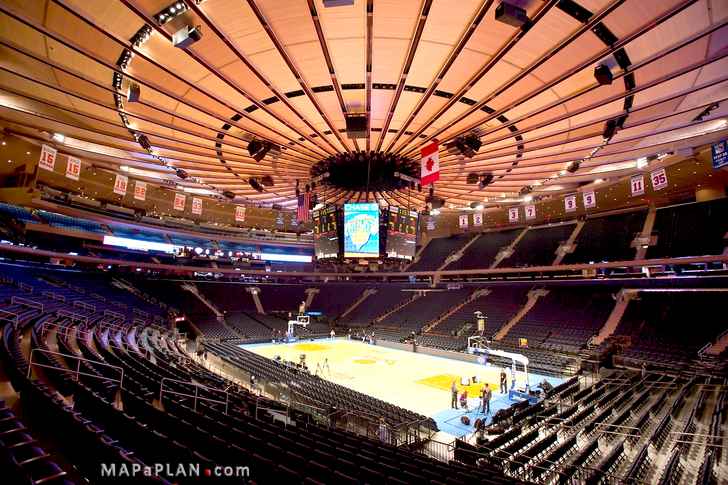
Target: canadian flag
430,169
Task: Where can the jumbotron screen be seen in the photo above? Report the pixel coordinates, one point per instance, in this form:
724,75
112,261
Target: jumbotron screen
361,230
326,233
401,233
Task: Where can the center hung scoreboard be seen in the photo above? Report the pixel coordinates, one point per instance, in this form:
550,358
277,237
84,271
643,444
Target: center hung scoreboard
363,230
401,233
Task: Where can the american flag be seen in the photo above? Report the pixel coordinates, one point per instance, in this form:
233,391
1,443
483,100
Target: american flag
304,206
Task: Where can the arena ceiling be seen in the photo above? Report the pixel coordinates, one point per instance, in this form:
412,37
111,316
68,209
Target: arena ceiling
288,71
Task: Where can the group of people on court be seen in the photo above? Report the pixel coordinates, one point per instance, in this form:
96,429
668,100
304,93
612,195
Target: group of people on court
486,394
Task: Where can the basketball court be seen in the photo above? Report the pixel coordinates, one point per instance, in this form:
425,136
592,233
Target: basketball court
414,381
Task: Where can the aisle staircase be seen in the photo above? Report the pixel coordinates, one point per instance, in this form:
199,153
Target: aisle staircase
474,295
365,294
507,251
623,298
533,297
415,296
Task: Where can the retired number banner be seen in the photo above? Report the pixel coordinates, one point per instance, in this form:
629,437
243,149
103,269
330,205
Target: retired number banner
48,156
530,211
659,179
590,200
196,206
140,190
120,184
73,168
637,185
513,214
179,202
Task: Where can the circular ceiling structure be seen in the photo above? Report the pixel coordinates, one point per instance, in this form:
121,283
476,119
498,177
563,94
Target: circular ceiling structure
233,91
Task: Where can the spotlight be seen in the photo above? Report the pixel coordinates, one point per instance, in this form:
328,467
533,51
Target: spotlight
603,74
472,178
59,137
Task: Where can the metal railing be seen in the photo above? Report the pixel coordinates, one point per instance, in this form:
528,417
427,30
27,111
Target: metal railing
9,316
72,315
19,300
196,395
84,305
112,313
77,372
54,296
25,287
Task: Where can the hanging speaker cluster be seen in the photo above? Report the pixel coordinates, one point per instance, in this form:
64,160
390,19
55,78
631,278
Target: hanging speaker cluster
467,145
482,179
258,149
255,184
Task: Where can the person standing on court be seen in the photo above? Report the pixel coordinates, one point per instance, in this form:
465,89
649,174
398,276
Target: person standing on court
503,380
454,392
485,396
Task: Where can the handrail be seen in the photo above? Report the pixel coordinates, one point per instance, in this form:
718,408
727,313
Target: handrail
84,305
25,287
13,320
19,300
196,394
54,296
72,315
112,313
77,372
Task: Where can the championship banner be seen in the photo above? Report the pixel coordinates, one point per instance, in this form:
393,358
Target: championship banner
239,213
430,165
464,221
73,168
570,203
48,156
637,185
179,202
513,214
140,190
590,199
120,184
530,211
659,179
477,219
196,206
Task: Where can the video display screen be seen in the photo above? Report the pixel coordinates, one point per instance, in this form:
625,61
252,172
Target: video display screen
326,233
401,233
361,230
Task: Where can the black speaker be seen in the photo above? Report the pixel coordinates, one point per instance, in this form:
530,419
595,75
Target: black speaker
267,180
472,178
511,14
254,147
181,173
356,125
610,128
133,94
229,194
603,74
